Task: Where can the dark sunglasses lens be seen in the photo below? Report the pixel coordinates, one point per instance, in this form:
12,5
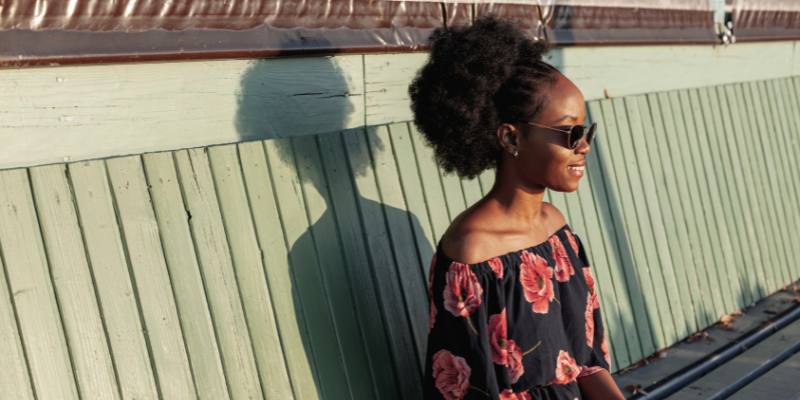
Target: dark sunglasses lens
577,132
575,135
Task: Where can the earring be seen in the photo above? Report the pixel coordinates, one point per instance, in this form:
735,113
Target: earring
516,152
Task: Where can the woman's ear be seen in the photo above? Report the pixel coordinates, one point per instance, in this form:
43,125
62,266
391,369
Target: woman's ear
507,135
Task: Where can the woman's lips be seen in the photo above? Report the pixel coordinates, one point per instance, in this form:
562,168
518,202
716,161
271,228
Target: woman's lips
577,170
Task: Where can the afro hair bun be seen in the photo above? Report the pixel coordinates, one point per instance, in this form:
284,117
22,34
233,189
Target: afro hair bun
476,77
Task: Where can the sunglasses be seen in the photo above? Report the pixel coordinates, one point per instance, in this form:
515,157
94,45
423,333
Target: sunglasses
575,132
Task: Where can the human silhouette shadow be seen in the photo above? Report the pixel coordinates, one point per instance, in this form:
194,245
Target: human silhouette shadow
359,267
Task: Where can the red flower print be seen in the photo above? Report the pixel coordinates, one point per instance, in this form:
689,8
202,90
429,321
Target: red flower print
508,394
462,293
451,374
563,265
589,317
587,275
515,367
566,369
497,333
604,349
497,267
432,318
536,279
572,242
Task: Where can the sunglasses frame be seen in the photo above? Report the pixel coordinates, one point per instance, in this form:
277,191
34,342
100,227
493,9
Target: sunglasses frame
590,129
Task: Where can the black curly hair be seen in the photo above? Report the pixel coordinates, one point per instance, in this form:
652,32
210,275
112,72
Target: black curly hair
476,78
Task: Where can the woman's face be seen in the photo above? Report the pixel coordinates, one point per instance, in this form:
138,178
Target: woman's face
544,158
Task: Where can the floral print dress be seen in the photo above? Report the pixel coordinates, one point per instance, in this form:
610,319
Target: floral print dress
522,325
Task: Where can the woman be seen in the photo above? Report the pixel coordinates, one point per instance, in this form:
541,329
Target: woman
514,312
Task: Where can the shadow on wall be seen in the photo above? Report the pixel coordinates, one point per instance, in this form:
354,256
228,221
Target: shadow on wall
359,286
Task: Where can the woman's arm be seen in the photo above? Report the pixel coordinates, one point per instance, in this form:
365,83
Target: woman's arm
599,386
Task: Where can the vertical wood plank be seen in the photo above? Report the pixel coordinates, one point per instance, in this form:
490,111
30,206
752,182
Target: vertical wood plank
379,242
431,185
411,184
733,242
312,307
362,272
16,382
150,277
327,245
410,269
268,223
613,295
717,230
634,216
212,248
118,299
756,123
643,316
672,272
184,271
682,126
247,261
85,333
733,164
30,284
739,135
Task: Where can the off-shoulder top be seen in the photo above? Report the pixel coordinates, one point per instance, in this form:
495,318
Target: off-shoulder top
522,325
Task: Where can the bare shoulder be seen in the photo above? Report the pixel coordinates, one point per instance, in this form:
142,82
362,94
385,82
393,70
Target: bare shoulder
467,240
553,215
462,244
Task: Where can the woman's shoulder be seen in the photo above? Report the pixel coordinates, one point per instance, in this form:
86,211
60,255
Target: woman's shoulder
470,239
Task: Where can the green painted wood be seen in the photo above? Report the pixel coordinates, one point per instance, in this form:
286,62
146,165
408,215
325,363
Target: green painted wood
247,261
431,184
682,126
297,267
676,218
274,250
327,245
595,246
725,142
16,382
401,331
717,222
640,337
150,277
362,272
747,189
754,150
733,231
73,283
411,183
787,143
627,187
672,272
30,283
117,297
184,271
211,244
779,183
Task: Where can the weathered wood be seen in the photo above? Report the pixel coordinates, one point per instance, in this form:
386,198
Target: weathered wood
29,281
247,261
211,244
184,273
117,297
73,283
150,277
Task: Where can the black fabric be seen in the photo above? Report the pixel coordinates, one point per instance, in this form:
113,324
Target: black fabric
546,297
